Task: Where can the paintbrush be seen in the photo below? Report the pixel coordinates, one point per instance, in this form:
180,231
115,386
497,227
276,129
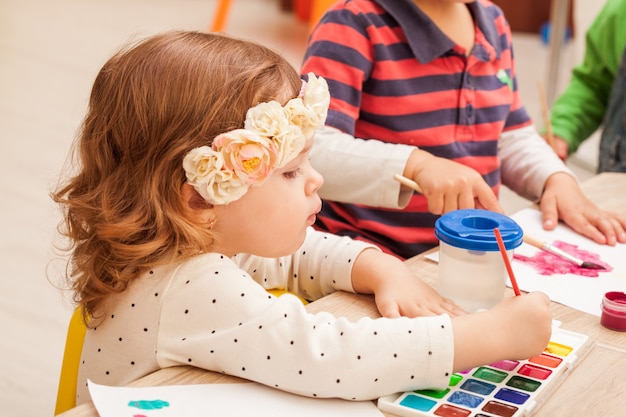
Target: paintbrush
408,182
546,116
548,247
507,263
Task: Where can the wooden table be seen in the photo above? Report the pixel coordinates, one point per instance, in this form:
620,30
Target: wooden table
594,388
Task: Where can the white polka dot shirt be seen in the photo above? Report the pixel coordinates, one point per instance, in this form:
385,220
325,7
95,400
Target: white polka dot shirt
214,312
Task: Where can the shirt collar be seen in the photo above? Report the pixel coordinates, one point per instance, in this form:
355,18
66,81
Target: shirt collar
418,27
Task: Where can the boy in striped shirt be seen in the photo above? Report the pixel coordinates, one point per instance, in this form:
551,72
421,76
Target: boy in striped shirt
427,89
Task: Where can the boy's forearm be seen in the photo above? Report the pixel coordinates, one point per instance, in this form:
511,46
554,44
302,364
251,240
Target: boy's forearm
359,171
528,162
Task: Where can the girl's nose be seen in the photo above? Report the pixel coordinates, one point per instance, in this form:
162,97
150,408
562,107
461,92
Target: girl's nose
316,181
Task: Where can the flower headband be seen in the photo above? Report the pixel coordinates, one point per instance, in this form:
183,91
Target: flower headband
272,136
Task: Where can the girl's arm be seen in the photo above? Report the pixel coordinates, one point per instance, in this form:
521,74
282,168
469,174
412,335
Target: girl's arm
519,327
322,265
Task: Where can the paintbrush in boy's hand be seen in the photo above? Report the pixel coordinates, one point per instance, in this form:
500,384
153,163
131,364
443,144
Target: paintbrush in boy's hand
408,182
548,247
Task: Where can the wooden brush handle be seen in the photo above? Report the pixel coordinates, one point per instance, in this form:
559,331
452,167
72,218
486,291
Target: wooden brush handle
534,241
552,249
408,182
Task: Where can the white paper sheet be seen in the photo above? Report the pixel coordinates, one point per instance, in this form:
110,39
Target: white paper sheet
224,400
579,292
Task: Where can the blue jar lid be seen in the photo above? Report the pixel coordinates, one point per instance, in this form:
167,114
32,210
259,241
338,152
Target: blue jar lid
473,229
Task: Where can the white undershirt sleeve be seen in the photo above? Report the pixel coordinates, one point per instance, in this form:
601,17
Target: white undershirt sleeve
360,171
528,162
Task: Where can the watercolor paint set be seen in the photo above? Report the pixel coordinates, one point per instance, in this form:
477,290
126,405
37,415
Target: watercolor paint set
509,388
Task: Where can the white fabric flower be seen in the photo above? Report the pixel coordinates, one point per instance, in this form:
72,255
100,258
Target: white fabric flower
317,97
200,163
266,119
290,143
303,117
205,171
223,188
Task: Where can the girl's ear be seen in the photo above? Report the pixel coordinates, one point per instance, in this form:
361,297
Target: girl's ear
196,206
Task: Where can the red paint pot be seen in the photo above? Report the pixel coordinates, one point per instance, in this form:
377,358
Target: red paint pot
614,311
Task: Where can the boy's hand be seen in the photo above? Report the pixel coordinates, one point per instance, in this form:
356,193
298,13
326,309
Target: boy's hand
563,199
448,185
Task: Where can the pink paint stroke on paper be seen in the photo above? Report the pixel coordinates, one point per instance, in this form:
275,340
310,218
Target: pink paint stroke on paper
546,263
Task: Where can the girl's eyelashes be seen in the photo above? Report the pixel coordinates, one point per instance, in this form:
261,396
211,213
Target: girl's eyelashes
293,173
298,165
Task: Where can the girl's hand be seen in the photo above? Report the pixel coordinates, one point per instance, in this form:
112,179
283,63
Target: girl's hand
563,199
525,324
397,291
406,295
516,328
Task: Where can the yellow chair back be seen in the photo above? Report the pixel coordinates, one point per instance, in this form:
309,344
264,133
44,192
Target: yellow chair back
66,393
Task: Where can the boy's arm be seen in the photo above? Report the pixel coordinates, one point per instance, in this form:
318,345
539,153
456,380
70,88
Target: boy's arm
533,170
360,171
527,162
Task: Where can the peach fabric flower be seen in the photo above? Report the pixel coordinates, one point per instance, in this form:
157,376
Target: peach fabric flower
251,157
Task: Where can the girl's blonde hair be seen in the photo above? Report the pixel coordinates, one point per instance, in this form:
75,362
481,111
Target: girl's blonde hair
150,104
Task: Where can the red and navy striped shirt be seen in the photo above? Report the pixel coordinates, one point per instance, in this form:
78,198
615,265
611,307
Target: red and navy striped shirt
396,77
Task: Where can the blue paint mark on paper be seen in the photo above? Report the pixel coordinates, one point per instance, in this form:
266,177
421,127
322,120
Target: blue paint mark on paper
149,404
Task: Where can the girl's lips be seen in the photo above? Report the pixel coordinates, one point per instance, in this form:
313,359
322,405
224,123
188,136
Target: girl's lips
312,217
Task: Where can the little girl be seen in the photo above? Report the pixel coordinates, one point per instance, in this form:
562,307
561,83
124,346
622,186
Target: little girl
193,194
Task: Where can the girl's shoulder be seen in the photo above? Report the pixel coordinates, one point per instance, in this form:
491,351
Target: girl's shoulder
204,272
202,266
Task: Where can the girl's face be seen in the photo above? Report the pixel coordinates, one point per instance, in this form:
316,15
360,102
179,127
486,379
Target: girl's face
270,220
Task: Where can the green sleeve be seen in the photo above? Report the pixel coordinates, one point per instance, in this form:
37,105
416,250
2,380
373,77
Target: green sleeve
579,111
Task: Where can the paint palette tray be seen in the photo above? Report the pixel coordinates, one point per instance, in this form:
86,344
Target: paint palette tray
508,388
